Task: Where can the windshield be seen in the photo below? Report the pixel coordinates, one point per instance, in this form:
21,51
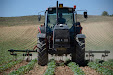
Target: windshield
63,18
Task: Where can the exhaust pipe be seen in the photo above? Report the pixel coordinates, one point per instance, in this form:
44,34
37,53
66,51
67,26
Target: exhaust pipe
57,12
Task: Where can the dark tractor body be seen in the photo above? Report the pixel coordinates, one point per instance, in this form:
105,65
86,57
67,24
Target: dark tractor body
61,34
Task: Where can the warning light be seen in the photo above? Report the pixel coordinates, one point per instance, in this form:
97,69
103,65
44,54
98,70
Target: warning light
61,5
74,6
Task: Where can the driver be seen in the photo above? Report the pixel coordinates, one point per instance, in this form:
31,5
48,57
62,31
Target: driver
61,20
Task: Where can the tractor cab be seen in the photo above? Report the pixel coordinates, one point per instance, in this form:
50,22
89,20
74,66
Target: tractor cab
65,16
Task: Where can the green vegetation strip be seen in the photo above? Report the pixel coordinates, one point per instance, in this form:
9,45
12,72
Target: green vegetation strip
9,65
7,59
51,68
108,64
22,70
76,69
99,67
3,62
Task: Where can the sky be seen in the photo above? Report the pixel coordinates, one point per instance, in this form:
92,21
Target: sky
12,8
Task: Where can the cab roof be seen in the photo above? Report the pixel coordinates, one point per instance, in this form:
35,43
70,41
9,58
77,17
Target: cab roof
62,7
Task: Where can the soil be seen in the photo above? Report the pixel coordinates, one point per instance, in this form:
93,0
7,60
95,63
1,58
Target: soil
14,68
89,71
37,70
63,70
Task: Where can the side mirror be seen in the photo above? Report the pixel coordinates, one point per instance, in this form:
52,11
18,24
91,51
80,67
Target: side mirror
39,17
85,15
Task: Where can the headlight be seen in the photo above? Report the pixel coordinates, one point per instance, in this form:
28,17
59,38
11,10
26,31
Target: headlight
57,40
65,40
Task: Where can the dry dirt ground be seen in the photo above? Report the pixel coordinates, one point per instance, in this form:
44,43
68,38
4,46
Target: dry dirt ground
63,70
89,71
99,36
23,37
7,33
99,33
60,70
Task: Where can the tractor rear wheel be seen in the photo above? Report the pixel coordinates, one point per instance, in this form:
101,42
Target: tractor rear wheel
78,56
42,52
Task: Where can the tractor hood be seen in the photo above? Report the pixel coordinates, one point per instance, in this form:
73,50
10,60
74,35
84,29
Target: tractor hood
61,26
61,36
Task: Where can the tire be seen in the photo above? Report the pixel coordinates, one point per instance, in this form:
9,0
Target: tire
42,52
78,55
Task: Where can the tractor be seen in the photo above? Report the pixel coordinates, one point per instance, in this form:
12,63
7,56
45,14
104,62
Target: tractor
61,34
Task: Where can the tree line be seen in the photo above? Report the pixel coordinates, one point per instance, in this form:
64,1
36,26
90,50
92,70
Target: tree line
105,13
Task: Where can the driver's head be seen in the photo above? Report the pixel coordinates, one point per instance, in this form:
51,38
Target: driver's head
60,15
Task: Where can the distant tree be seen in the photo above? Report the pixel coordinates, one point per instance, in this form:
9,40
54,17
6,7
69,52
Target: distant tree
112,15
105,13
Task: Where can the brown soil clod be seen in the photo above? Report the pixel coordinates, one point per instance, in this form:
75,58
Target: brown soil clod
89,71
63,70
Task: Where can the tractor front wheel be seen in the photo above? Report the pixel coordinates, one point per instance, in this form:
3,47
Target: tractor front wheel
78,55
42,52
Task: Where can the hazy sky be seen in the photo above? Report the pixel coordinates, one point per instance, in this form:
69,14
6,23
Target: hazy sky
9,8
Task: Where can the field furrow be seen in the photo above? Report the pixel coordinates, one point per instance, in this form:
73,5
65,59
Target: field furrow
63,70
89,71
15,67
37,70
24,69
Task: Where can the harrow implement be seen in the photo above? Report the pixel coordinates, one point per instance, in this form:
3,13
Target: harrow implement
28,53
89,53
